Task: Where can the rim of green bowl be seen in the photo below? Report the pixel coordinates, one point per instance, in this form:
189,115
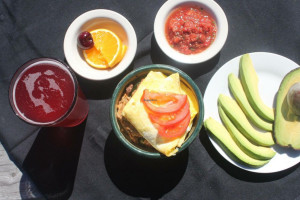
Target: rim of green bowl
121,85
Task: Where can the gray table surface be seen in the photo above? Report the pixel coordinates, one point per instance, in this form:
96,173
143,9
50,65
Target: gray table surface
14,184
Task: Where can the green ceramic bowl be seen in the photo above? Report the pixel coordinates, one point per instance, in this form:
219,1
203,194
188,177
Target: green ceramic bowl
138,74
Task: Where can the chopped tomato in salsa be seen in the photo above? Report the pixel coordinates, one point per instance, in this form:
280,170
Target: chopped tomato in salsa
190,29
169,112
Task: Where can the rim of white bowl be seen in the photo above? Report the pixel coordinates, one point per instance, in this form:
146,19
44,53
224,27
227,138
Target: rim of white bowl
221,36
72,54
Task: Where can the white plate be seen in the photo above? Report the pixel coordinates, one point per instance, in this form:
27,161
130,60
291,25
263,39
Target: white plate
95,19
271,69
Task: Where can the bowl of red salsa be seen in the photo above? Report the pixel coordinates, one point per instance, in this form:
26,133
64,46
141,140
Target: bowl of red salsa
190,31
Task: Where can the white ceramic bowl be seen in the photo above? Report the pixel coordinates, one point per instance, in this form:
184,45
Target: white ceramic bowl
212,8
89,21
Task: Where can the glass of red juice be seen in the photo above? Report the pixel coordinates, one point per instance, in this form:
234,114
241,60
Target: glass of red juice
45,92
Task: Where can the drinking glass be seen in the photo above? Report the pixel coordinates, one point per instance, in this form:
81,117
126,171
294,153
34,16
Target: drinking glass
45,92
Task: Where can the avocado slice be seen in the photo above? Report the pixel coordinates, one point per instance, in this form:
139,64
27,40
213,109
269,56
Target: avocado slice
249,80
239,119
223,138
287,124
255,151
237,91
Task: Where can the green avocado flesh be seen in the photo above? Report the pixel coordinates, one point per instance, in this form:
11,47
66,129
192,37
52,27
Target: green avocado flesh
224,139
249,81
239,119
257,152
237,91
287,124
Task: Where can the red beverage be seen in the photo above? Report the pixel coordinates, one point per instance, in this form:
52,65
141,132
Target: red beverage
45,92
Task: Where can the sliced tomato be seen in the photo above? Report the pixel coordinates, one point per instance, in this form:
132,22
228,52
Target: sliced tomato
169,119
163,102
174,131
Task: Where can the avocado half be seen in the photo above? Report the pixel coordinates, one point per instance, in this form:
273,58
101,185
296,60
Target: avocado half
286,123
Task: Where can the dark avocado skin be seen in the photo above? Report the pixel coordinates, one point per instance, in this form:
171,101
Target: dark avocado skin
286,123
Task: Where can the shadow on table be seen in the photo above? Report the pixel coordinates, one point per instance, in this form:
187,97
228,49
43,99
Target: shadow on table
236,171
52,160
100,89
28,189
193,70
138,176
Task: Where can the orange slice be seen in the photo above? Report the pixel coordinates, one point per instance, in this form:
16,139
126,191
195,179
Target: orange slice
108,43
121,55
94,58
108,49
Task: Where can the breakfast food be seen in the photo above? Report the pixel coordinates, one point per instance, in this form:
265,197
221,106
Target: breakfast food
161,111
237,91
190,29
126,127
85,40
249,80
254,151
107,49
225,140
240,135
237,116
286,124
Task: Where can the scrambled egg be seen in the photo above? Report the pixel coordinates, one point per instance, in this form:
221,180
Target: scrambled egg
136,114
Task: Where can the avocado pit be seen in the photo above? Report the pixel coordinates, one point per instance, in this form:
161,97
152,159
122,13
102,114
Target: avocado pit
293,98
